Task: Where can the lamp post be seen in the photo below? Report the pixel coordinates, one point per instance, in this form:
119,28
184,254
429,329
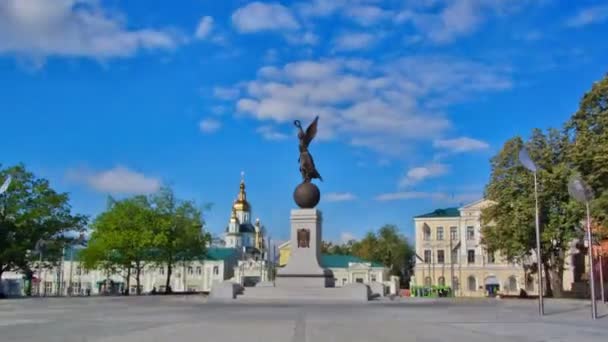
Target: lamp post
527,162
582,193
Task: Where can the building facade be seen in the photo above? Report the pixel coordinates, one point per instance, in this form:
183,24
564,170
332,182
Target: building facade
449,253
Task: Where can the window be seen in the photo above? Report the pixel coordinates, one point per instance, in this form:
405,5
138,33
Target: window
441,281
453,233
455,283
78,270
190,270
439,233
472,283
491,257
512,284
454,256
470,233
440,256
426,231
471,256
161,270
344,280
373,278
48,287
427,281
359,280
216,270
199,270
427,256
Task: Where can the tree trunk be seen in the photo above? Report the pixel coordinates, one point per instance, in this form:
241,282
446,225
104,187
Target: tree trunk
137,280
557,282
168,282
126,292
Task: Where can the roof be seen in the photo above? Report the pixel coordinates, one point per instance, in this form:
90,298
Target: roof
447,212
246,228
342,261
220,253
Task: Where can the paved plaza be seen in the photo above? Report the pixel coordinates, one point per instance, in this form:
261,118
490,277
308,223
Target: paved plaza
190,318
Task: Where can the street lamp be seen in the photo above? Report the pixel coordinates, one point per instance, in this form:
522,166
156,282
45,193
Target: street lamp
527,162
582,193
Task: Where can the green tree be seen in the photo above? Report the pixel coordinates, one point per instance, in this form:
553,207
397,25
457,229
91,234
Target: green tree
509,223
179,236
31,211
588,130
122,238
388,247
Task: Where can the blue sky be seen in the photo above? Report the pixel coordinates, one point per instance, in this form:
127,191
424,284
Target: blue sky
414,97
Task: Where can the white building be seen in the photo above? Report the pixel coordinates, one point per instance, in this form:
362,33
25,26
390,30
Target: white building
242,258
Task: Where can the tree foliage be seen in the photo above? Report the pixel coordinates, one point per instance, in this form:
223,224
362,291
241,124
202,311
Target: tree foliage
509,224
588,150
31,211
142,230
387,246
179,236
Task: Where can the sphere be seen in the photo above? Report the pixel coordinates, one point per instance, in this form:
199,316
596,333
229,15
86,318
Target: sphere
307,195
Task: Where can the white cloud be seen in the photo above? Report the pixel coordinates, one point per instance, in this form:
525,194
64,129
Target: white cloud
462,144
269,133
588,16
119,180
418,174
74,28
258,16
353,41
382,106
345,237
367,15
443,197
209,125
226,93
307,38
339,197
444,21
204,28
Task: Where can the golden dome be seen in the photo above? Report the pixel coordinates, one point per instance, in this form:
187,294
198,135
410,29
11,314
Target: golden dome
241,204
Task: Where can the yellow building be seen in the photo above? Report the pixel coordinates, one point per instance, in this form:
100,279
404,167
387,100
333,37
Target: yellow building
449,253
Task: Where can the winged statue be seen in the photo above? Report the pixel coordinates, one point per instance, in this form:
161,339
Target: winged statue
307,164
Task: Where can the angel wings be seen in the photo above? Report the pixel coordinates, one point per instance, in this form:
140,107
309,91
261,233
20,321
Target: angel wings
307,164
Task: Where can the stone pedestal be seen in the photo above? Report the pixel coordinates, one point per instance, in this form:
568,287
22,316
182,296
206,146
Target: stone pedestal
303,268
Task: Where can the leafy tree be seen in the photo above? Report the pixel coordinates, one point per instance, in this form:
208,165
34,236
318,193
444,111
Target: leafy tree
588,131
122,238
179,237
509,223
31,211
388,247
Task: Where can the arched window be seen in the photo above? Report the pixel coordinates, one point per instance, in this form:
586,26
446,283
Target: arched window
427,281
512,283
441,281
472,283
456,284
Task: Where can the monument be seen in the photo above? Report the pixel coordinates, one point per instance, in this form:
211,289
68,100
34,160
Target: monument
303,268
302,278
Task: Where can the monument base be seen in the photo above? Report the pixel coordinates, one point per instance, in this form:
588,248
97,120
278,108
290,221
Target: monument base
303,278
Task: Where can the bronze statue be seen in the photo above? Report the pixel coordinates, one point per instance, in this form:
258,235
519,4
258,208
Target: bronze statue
303,238
307,164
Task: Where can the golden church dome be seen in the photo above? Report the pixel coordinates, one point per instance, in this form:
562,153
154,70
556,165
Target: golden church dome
241,204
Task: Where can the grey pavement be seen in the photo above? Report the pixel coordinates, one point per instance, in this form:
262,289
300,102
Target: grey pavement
191,318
